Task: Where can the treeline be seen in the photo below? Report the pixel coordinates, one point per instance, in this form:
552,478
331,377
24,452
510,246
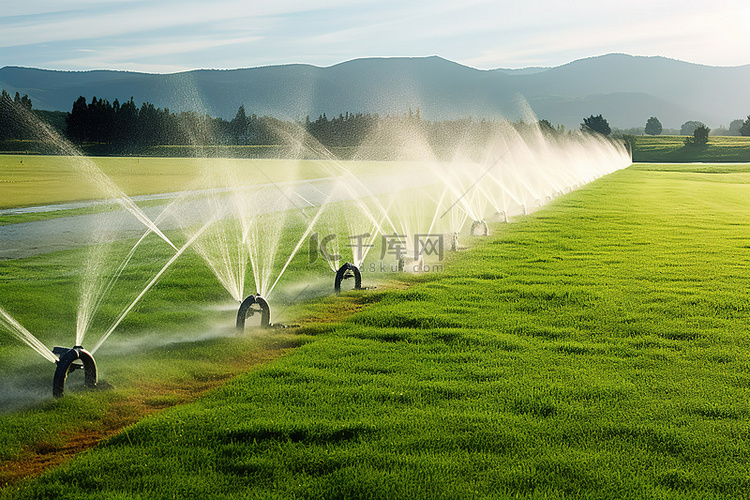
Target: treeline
117,128
126,124
100,121
13,113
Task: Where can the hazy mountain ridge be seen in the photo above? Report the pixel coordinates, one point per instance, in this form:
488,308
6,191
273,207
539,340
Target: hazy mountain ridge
627,90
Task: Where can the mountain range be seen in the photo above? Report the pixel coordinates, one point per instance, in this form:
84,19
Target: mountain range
625,89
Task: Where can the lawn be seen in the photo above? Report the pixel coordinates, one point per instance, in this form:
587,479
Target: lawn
39,180
672,148
597,348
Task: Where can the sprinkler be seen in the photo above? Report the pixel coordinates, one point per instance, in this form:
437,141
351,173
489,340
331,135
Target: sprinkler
345,272
454,242
69,361
246,310
480,223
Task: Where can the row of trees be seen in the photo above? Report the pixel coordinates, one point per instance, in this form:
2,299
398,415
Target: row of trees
697,131
736,127
128,125
100,121
13,115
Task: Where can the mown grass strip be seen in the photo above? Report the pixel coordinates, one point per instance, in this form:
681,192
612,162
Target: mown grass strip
597,349
673,149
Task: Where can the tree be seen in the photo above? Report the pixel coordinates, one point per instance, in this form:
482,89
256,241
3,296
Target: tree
745,128
688,128
653,126
596,124
735,126
546,127
126,123
699,138
238,126
700,135
78,121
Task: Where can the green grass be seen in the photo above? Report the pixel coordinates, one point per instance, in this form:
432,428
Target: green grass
71,212
39,147
673,149
597,348
41,180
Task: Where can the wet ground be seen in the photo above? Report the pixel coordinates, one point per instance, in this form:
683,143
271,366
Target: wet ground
61,233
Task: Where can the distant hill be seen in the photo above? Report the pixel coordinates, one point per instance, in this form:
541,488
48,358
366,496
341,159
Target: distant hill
627,90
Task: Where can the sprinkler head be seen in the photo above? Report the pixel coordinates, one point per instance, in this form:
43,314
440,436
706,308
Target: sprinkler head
347,271
485,230
69,361
454,242
246,310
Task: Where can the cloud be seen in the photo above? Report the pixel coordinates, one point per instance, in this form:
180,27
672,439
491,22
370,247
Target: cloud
172,35
692,35
118,18
122,57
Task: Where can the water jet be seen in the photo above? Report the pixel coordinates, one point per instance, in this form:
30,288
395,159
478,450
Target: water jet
410,264
70,361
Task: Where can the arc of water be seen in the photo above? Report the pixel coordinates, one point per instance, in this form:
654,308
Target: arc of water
18,331
150,284
332,160
435,217
230,263
479,178
87,312
504,190
94,173
301,241
375,231
124,200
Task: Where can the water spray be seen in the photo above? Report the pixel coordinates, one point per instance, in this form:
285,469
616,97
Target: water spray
70,361
410,264
348,271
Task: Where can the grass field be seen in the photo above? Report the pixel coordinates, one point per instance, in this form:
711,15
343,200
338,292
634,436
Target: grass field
597,348
40,180
671,148
654,149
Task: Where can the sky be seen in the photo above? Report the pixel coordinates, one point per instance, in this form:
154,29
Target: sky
168,36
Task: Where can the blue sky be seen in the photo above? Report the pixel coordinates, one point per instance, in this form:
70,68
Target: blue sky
170,36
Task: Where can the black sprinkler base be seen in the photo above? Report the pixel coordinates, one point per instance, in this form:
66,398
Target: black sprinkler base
69,361
246,310
348,271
